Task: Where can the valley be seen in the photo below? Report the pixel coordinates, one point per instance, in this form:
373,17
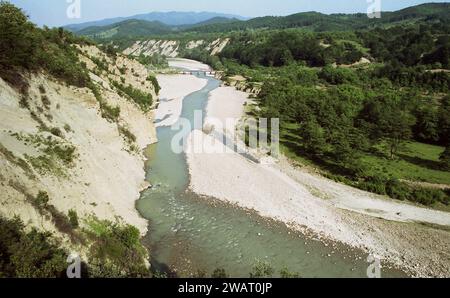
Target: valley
91,114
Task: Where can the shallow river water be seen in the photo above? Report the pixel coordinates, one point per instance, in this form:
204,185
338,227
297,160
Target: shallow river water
188,233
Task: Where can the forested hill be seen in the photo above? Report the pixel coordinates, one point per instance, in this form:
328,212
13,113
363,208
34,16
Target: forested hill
313,21
430,12
172,18
126,29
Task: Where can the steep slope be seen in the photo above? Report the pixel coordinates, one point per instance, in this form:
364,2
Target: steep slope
84,162
74,124
173,48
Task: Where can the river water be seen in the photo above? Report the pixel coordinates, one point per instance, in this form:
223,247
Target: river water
188,233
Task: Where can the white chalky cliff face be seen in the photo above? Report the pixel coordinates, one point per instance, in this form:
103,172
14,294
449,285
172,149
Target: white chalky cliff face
105,175
172,48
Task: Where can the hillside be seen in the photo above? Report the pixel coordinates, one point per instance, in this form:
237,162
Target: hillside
74,124
168,18
126,29
314,21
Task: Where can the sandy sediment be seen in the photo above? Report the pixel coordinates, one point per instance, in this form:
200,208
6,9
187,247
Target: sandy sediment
173,90
225,104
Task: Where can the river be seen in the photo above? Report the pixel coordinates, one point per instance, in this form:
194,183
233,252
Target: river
188,233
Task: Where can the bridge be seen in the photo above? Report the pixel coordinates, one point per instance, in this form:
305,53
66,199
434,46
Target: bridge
199,72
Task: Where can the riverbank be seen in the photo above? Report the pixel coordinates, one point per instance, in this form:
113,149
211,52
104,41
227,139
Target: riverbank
173,90
313,204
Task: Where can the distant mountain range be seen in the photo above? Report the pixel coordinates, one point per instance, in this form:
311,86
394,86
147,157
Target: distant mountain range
428,12
172,18
164,23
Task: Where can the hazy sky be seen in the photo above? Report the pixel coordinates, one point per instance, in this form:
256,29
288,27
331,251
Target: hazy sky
54,12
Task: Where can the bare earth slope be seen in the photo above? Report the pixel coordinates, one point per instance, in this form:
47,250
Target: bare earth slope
102,176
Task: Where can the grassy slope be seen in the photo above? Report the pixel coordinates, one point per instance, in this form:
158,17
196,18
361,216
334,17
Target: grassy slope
415,161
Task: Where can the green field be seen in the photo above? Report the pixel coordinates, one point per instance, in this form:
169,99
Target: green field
415,161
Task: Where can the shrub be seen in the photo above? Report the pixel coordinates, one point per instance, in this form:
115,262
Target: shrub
219,273
42,89
73,219
65,153
29,255
397,190
428,196
42,199
445,159
337,76
423,197
374,184
142,99
116,250
67,128
155,60
109,112
45,101
128,135
102,64
285,273
56,132
155,83
261,270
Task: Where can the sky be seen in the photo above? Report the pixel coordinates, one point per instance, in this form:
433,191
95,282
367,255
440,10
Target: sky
55,12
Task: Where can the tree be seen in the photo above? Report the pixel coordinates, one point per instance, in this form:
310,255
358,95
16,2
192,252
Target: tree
426,128
444,121
384,118
445,158
17,37
396,128
338,75
313,136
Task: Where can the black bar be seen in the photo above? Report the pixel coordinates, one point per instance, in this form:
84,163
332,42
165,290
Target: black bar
223,287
